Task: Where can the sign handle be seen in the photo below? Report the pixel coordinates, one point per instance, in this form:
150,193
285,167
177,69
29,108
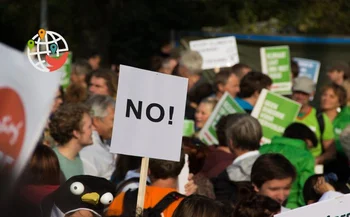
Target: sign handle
142,186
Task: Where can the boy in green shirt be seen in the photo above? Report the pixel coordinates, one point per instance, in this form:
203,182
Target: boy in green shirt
294,145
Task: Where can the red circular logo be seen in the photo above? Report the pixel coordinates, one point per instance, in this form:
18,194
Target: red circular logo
12,126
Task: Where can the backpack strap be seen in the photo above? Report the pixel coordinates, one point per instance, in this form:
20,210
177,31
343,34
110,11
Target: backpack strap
167,200
321,124
130,200
129,203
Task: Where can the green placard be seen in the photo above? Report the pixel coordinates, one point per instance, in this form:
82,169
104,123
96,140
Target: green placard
226,105
66,71
274,113
275,61
188,130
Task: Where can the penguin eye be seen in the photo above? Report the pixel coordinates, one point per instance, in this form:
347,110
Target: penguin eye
77,188
106,198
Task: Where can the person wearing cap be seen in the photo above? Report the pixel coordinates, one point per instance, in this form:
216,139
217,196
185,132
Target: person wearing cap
303,89
339,72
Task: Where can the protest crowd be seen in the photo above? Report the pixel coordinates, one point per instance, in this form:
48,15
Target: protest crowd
239,175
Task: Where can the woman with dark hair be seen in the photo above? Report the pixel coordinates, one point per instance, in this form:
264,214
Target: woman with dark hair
41,177
334,105
333,99
200,206
43,174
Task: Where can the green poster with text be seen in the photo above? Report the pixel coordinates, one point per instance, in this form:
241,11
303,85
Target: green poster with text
226,105
274,113
275,62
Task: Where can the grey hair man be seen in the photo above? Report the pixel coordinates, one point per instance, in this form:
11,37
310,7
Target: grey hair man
97,160
190,66
244,134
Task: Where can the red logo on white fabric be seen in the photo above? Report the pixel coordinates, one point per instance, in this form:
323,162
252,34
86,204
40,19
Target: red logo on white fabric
12,126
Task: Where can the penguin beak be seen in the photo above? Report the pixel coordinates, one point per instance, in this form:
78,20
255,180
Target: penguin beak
91,198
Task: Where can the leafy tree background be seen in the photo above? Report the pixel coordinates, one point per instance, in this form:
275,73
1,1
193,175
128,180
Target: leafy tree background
130,31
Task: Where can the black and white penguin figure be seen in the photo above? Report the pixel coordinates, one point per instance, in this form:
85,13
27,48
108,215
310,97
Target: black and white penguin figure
79,193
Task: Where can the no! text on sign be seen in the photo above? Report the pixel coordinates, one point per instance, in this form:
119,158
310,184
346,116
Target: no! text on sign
149,114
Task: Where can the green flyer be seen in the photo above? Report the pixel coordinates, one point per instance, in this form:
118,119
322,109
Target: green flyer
275,62
274,113
188,130
66,71
226,105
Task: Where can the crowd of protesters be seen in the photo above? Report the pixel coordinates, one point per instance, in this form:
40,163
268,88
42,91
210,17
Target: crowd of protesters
238,177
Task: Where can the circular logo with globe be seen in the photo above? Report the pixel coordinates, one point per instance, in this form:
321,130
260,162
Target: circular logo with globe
47,51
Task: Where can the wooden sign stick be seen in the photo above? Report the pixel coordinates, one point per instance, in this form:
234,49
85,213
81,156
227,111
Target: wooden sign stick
142,186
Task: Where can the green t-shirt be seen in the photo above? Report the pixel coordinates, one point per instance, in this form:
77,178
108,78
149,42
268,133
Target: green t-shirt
340,123
69,167
310,120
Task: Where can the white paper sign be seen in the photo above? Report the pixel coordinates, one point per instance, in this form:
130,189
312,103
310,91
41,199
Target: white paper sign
26,97
337,207
217,52
149,114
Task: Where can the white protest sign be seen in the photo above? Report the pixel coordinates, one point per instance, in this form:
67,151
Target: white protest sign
26,98
217,52
337,207
149,114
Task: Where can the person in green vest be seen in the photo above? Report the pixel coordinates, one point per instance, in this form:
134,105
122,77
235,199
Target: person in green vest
295,143
303,89
334,105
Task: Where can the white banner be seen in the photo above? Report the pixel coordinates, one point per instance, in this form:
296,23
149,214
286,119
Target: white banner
337,207
26,98
217,52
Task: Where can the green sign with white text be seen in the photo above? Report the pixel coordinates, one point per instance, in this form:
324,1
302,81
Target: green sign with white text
274,113
226,105
275,62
